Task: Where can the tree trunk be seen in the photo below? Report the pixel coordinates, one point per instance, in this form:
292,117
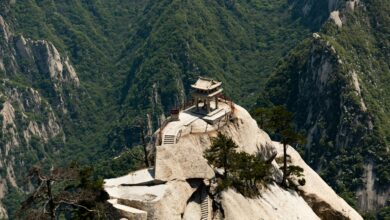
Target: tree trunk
225,166
146,160
51,203
284,165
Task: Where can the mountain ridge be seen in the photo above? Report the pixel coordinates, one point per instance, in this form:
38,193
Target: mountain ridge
135,60
345,114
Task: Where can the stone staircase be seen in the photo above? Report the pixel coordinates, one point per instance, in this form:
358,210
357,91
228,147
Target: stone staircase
205,205
169,139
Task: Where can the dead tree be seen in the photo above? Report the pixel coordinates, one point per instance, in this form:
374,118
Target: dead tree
46,203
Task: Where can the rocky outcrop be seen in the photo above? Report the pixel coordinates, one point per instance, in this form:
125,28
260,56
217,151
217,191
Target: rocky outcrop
47,60
22,132
274,203
369,197
321,197
37,61
172,163
335,17
316,13
34,92
338,16
41,56
184,175
335,100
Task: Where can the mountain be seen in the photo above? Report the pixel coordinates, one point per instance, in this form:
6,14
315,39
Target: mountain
135,60
182,184
336,84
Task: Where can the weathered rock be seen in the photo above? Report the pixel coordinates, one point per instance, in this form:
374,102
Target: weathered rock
51,63
192,211
173,204
25,112
351,5
273,203
4,29
140,177
131,213
126,212
182,161
321,197
247,135
335,17
370,198
164,201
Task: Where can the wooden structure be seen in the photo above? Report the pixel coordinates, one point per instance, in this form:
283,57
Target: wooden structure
205,90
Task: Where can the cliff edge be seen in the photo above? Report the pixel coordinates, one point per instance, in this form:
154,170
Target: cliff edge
180,185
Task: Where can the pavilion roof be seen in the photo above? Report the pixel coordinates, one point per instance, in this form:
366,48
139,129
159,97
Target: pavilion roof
206,84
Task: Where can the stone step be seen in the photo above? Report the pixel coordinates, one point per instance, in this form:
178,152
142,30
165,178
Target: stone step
204,207
169,139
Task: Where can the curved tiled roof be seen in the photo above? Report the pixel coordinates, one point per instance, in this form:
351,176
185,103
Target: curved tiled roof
206,84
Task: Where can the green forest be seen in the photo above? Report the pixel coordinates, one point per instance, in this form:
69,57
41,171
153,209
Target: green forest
137,59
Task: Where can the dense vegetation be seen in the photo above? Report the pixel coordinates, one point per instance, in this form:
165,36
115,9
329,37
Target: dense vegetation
136,59
337,86
127,52
243,171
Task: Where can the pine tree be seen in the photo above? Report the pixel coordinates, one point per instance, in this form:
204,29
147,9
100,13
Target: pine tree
221,153
279,121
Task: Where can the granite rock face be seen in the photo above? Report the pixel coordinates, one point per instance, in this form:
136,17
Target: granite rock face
182,180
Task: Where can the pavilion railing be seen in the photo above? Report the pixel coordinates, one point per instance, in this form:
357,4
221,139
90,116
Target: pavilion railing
196,130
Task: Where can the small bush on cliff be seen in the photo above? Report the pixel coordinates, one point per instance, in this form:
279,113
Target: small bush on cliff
243,171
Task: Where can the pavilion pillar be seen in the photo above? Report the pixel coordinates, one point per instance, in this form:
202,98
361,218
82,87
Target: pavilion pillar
216,102
197,103
208,105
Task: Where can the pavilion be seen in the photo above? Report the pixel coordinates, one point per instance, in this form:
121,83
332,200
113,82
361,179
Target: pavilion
206,90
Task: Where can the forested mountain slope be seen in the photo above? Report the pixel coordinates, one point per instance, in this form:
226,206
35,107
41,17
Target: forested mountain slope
77,77
337,84
87,71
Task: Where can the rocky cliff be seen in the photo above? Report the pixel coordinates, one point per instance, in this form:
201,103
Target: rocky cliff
181,185
334,83
137,59
34,86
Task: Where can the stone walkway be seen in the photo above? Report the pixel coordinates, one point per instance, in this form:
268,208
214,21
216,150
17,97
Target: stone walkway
173,129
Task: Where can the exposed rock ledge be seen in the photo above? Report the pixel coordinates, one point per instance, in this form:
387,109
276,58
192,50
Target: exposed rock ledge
178,193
